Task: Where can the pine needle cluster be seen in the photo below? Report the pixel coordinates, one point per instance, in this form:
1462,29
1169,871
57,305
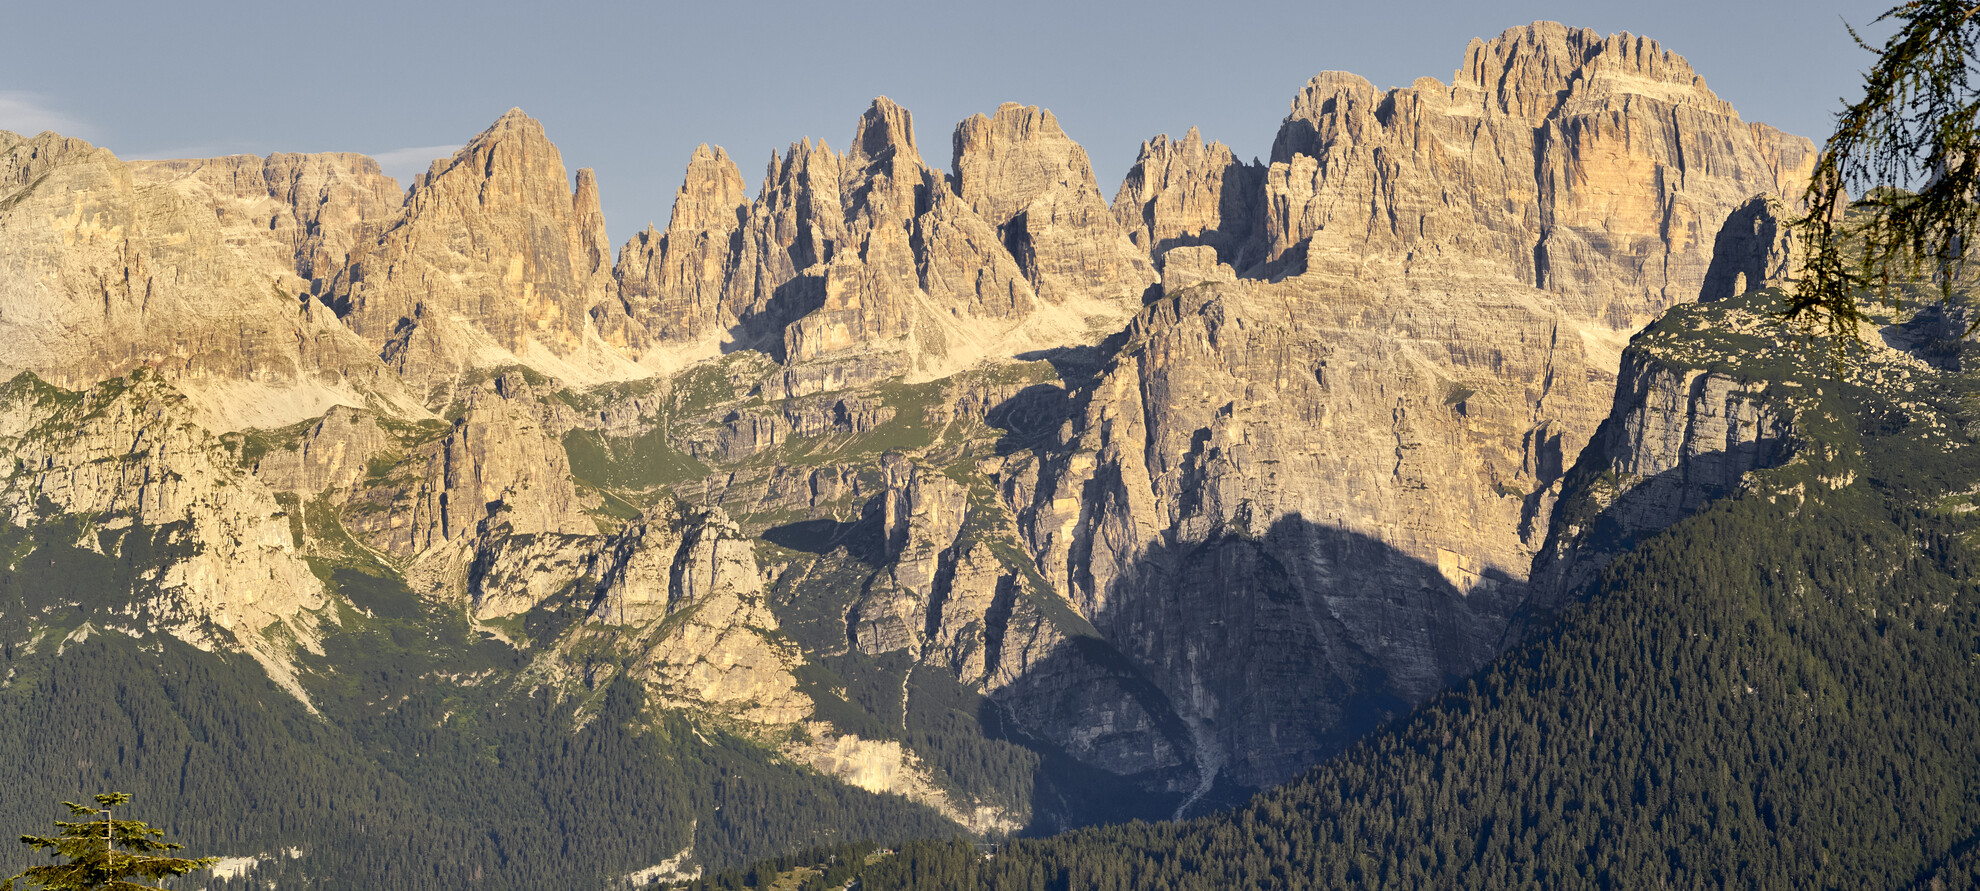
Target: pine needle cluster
104,854
1918,123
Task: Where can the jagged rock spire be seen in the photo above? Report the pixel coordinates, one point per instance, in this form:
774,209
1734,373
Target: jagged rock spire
1020,172
494,245
672,283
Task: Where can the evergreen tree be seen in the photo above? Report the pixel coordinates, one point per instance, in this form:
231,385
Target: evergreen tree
104,854
1918,122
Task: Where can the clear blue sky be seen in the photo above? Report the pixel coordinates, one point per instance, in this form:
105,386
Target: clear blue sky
630,88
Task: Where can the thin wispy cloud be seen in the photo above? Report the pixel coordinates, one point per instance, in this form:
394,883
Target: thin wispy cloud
30,113
405,163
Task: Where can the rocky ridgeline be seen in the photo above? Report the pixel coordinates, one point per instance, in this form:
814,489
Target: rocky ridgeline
1385,401
200,270
125,460
1192,488
493,256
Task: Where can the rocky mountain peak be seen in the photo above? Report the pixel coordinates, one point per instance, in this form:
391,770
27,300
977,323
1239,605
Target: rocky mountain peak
1186,192
712,191
195,268
27,157
588,223
510,159
1526,69
883,173
1021,173
495,248
321,205
1530,71
885,131
671,285
1301,490
1560,97
1004,162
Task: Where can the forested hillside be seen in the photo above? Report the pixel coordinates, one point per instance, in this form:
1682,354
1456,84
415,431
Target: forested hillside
1780,691
423,767
378,537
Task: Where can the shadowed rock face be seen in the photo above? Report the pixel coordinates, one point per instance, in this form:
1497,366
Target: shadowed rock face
1241,510
1182,193
1449,272
1676,439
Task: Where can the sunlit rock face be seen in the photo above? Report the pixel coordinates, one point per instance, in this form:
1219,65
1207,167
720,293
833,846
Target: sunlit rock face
1190,489
1348,444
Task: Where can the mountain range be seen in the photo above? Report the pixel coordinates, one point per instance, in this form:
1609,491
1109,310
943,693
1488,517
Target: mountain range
890,502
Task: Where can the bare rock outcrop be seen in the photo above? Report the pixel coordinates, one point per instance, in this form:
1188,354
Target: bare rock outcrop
1343,462
495,259
1186,192
1677,437
323,206
333,453
873,264
1334,484
496,469
193,269
125,458
921,515
685,594
795,224
1596,169
1754,249
672,283
866,292
745,432
1020,172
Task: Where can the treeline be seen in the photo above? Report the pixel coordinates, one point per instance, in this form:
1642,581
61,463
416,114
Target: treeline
1781,692
404,779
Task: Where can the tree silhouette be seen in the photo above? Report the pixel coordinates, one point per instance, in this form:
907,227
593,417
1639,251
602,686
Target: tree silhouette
1918,124
102,855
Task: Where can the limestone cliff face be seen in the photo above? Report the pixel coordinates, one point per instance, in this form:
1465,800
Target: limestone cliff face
1185,192
1344,468
720,651
497,468
125,461
1263,470
922,514
1676,439
1021,173
672,283
333,453
1754,249
195,269
873,254
494,253
865,292
1596,169
794,224
677,592
1225,520
1678,435
323,206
